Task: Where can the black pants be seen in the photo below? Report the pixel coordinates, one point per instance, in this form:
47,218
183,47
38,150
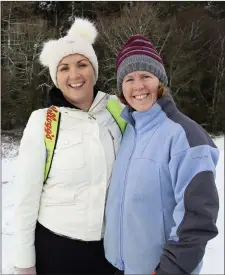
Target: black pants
60,255
119,272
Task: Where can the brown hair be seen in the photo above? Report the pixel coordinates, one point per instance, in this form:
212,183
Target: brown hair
162,91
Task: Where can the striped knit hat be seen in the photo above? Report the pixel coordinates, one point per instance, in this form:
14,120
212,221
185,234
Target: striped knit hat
139,54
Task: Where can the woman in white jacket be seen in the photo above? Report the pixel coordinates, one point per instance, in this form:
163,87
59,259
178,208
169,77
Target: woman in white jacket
59,225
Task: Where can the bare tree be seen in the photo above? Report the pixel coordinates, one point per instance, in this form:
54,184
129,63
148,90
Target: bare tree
141,18
21,68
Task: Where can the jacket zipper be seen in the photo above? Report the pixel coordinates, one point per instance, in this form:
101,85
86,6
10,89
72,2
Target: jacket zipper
98,102
113,140
90,113
122,204
90,116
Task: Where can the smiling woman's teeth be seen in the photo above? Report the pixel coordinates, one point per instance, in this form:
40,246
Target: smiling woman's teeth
76,85
141,97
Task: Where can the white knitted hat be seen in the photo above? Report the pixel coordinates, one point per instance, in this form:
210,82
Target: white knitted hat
78,40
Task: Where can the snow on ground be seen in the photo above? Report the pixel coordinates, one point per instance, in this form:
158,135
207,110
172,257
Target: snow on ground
213,259
9,152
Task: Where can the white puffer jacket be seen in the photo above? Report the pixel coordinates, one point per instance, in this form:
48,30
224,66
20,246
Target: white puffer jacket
72,201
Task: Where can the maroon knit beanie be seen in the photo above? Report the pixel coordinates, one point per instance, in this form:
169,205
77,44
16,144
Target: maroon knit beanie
139,54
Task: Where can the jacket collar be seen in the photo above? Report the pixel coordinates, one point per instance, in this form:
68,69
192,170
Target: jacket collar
143,121
56,98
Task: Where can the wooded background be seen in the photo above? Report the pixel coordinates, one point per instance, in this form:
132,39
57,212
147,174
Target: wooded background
190,37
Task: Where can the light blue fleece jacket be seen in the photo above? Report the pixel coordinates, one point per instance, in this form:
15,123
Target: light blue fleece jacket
162,202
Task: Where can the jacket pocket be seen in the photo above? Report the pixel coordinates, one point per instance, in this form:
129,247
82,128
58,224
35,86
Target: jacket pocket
69,153
56,199
67,195
145,190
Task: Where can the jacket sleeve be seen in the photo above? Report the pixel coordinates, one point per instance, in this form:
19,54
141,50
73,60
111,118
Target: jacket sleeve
28,187
195,214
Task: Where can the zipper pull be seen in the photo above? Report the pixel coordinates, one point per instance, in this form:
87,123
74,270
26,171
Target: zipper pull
111,134
91,116
113,143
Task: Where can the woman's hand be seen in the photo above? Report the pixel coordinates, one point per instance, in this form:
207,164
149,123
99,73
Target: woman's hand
30,271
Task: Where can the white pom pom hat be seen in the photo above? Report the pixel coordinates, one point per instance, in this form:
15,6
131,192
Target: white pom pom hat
78,40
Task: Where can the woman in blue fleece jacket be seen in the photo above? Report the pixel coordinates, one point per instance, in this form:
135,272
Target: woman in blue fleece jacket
162,203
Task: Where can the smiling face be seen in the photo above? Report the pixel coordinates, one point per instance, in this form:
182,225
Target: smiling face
140,89
76,79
